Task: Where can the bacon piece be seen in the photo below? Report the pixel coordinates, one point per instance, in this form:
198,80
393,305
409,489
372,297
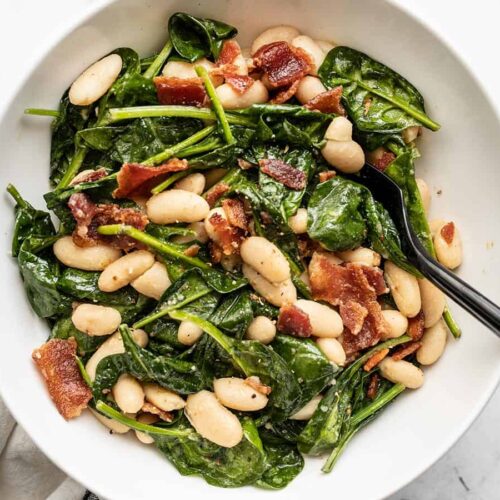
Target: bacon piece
239,83
289,176
294,321
215,193
375,278
371,392
229,52
405,350
282,63
235,213
135,179
353,315
327,175
229,237
89,176
448,232
154,410
255,383
192,251
416,326
56,361
384,160
83,210
285,94
216,253
327,102
180,91
374,360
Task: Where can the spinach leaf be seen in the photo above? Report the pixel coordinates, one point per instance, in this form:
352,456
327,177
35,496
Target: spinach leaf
234,314
194,37
283,464
64,329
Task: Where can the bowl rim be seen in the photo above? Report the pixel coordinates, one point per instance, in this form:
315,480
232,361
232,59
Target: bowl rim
85,13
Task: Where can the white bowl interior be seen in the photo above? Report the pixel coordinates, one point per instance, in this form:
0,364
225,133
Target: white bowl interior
459,161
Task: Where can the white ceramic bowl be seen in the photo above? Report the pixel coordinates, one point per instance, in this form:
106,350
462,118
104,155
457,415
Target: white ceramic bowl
461,161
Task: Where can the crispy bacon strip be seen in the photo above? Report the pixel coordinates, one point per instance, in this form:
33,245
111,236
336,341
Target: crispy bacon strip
89,176
192,250
281,63
294,321
255,383
289,176
239,83
229,238
375,360
448,232
229,52
154,410
216,253
180,91
215,192
56,361
135,179
285,94
405,350
382,162
372,390
328,102
416,326
235,213
327,175
353,315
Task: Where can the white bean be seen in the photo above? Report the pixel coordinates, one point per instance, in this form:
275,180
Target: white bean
162,398
176,205
401,372
340,129
81,176
96,320
146,418
325,45
183,69
433,344
230,99
153,282
125,270
312,49
200,234
411,133
128,394
188,333
309,87
94,258
361,255
307,411
261,329
448,245
433,302
113,425
212,421
277,294
234,393
195,183
333,350
425,193
275,34
95,81
298,222
404,289
266,258
304,277
325,322
397,324
113,345
346,156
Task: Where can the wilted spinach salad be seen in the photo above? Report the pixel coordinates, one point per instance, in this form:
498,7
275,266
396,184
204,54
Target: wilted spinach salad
218,281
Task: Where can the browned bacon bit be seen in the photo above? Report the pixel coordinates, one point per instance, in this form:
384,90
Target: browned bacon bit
353,315
192,251
367,103
180,91
235,213
384,160
289,176
215,192
416,326
56,361
135,179
229,237
265,217
239,83
371,392
89,176
405,350
243,164
215,252
83,210
327,102
154,410
375,278
281,63
229,52
294,321
255,383
285,94
448,232
375,359
327,175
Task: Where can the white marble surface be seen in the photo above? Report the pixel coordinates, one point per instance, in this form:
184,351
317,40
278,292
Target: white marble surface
471,469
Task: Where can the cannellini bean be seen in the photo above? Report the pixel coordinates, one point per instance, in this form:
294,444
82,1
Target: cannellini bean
309,87
397,324
304,277
96,320
266,258
425,193
231,262
448,246
240,65
333,350
213,176
212,421
277,294
411,133
128,394
375,155
195,183
433,302
95,81
361,255
188,333
275,34
176,205
111,424
325,322
325,45
435,225
404,289
162,398
209,228
433,344
401,372
200,233
113,345
94,258
312,49
261,329
298,222
230,99
340,129
125,270
307,411
346,156
183,69
146,418
234,393
153,282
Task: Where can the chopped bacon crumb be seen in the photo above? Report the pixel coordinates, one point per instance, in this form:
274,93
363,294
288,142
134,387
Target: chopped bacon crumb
56,361
229,52
294,321
405,350
180,91
374,360
281,63
367,103
243,164
384,160
215,192
353,315
235,213
89,176
328,102
239,83
229,237
285,94
192,251
216,253
154,410
372,390
135,179
416,326
448,232
327,175
289,176
255,383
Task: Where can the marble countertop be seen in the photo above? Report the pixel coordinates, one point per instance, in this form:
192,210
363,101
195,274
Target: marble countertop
471,469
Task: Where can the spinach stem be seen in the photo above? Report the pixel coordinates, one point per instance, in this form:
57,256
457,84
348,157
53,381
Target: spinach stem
73,167
11,189
170,180
83,371
216,104
158,62
41,112
451,323
200,148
